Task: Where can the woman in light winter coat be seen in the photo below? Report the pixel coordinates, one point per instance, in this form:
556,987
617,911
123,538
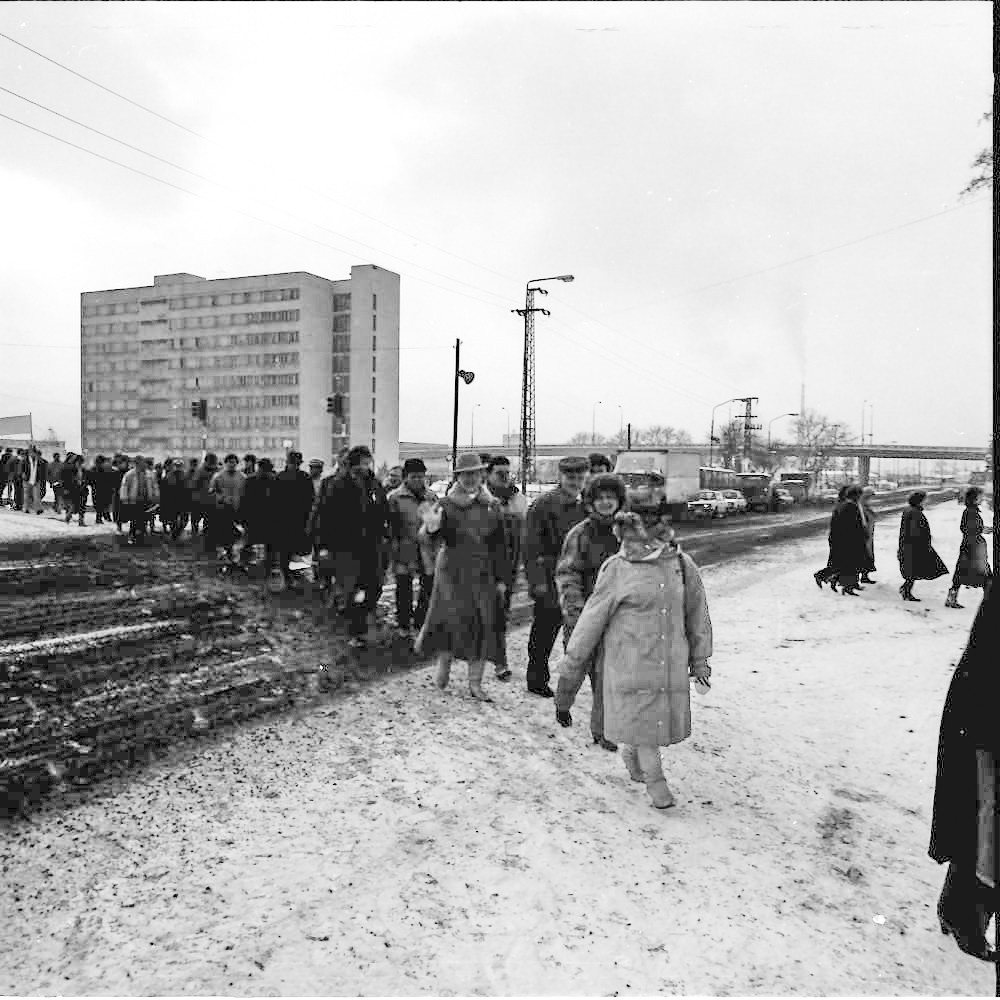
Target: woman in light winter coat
647,620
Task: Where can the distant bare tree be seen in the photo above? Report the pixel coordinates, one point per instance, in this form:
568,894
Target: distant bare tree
585,437
982,165
815,433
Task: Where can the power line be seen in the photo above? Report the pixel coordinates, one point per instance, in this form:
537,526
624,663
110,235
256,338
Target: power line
208,139
808,256
231,208
227,187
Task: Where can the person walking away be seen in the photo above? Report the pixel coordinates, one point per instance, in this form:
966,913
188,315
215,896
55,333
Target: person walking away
916,556
74,485
227,486
469,576
294,497
259,513
964,827
54,473
847,543
349,526
868,521
173,498
514,507
408,505
973,567
549,519
35,480
647,620
586,548
103,486
138,492
202,497
19,479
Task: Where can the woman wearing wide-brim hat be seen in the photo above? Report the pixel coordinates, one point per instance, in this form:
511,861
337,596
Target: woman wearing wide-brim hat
470,569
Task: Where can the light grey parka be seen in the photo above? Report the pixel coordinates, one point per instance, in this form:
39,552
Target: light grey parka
648,622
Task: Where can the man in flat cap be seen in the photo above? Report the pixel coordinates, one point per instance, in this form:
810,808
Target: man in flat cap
550,518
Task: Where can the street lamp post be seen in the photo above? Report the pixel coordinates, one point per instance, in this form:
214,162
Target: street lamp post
593,422
711,432
779,417
527,443
472,425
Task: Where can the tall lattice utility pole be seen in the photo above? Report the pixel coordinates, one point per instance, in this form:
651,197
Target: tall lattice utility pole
527,443
748,428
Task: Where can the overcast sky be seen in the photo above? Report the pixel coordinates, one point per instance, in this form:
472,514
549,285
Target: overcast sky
750,195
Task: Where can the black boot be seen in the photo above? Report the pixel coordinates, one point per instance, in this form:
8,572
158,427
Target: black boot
964,911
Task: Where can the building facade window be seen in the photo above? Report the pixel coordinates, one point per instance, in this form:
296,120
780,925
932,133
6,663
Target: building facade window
342,302
373,385
342,323
373,321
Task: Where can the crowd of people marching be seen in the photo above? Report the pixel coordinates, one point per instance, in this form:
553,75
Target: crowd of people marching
603,571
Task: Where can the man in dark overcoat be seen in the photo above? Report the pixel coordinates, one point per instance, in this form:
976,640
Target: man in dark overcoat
549,519
293,502
350,526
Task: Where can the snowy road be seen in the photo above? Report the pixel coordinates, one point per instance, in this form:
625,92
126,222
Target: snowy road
405,841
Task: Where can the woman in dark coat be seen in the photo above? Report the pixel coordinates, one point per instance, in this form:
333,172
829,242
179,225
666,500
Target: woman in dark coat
973,567
847,543
826,574
293,501
469,575
868,516
917,558
964,828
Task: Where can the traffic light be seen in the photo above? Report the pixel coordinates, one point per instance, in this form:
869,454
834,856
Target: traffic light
330,404
335,405
199,410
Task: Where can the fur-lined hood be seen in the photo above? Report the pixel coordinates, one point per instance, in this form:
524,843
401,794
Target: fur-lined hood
641,540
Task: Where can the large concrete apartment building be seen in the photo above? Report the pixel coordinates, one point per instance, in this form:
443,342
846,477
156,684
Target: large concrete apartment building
264,352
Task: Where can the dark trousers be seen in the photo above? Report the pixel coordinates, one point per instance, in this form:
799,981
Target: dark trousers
503,610
405,615
358,611
18,492
545,626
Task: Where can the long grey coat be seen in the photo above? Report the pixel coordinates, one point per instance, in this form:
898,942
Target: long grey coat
654,624
472,560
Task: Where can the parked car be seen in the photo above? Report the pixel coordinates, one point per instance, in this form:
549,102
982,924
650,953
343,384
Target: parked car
736,502
709,503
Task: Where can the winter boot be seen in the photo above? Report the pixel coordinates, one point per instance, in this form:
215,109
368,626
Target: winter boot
476,681
443,672
631,757
656,785
951,601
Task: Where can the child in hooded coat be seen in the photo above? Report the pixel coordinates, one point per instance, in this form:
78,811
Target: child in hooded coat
647,620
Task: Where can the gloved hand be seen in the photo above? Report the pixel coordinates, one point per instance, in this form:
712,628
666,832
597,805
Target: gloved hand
700,670
564,718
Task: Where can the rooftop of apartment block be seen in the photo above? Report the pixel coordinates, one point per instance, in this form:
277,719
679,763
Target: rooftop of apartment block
183,278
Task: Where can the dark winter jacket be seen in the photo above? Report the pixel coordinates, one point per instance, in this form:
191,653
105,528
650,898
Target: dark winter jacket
968,724
917,558
550,518
293,502
847,539
258,508
585,549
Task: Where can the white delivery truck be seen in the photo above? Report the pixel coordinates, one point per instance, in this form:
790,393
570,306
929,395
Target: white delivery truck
659,473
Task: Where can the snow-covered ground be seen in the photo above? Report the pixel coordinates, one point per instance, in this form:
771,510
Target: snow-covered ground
401,840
